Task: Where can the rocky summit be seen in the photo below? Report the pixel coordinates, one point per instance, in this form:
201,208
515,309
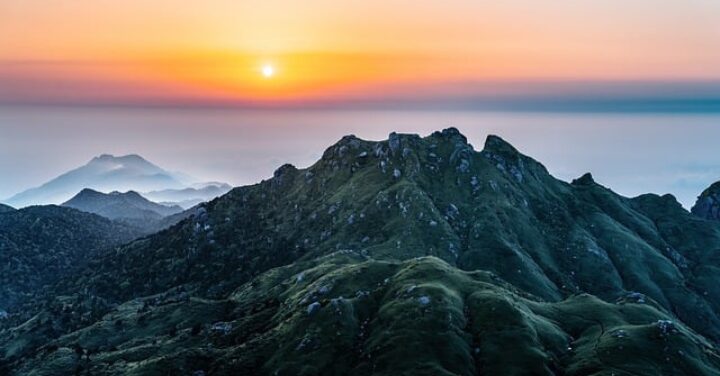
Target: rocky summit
708,203
409,256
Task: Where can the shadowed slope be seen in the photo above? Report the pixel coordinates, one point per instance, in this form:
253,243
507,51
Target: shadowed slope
41,244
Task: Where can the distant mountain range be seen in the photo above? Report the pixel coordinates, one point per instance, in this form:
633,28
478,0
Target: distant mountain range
129,207
407,256
108,173
189,197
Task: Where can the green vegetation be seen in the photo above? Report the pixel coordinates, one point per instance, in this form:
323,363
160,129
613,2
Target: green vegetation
410,256
41,244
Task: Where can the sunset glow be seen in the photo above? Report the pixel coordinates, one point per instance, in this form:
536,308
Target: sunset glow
207,53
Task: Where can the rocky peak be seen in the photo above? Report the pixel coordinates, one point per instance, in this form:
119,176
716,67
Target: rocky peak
285,169
671,201
509,160
283,175
585,180
495,144
708,203
451,133
343,147
87,192
400,142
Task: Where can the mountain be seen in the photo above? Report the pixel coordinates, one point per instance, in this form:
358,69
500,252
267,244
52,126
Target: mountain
189,197
128,206
708,203
103,173
406,256
41,244
5,208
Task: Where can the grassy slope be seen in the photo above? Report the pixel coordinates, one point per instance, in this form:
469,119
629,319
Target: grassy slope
416,317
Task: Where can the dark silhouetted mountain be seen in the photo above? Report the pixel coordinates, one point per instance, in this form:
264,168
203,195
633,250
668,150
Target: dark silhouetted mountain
189,197
405,256
708,203
129,206
6,208
104,173
40,244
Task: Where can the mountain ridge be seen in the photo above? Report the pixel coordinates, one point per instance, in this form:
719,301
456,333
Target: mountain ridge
115,205
108,173
411,254
190,196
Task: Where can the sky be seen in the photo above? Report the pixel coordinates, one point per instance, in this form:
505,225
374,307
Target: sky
631,153
339,53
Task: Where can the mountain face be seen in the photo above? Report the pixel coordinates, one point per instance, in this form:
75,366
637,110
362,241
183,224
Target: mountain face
708,203
5,208
189,197
406,256
128,206
41,244
104,173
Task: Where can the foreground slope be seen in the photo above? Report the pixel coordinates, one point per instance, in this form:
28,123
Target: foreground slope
411,255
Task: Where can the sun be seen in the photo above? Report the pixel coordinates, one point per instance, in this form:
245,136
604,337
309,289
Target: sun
268,70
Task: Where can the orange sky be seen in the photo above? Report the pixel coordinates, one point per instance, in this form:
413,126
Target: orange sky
213,50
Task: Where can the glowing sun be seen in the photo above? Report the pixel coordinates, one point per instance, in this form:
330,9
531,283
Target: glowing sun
268,71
